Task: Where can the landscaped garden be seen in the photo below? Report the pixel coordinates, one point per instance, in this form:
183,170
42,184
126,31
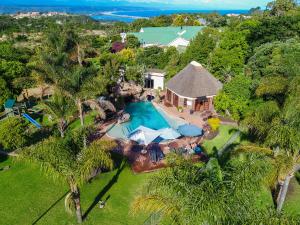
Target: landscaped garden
32,198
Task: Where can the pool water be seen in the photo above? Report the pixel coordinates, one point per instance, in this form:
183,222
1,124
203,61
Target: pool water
143,114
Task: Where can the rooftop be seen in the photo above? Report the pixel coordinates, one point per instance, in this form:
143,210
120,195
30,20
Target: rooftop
194,81
165,35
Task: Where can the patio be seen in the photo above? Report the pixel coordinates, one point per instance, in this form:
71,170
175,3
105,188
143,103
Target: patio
196,118
140,157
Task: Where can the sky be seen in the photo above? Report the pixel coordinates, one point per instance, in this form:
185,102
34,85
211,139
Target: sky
194,4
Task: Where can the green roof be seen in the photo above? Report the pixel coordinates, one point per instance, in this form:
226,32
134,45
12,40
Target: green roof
9,104
165,35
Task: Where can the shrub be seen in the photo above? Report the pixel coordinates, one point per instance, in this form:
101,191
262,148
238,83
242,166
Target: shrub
13,133
214,123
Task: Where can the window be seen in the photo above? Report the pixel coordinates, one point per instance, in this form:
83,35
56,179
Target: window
184,102
149,83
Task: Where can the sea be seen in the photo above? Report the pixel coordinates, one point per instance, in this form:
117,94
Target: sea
106,13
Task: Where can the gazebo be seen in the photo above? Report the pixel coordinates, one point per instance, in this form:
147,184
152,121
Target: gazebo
193,88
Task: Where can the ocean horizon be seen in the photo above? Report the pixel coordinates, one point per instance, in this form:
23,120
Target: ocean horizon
111,13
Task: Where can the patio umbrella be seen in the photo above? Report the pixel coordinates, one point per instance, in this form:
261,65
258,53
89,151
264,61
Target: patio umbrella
190,130
143,135
169,133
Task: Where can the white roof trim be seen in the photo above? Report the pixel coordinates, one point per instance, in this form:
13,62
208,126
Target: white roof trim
194,63
179,38
182,96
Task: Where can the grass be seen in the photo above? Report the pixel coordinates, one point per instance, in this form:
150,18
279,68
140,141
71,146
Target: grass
225,132
31,197
88,120
292,205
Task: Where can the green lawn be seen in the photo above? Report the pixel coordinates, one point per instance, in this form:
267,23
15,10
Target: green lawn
292,205
88,120
225,132
27,196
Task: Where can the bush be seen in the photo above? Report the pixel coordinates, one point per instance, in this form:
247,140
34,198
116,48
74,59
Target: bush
214,123
13,133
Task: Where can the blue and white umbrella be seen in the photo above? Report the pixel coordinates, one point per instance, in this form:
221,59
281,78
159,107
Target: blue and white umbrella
169,133
143,135
190,130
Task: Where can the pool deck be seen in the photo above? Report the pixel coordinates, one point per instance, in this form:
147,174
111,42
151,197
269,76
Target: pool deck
195,118
141,163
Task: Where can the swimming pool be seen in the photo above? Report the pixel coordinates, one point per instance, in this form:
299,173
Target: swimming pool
142,114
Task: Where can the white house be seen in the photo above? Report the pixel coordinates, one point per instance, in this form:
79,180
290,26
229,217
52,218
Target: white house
154,79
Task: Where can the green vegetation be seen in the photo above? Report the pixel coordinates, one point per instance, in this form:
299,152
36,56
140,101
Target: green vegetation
30,196
225,132
13,133
257,59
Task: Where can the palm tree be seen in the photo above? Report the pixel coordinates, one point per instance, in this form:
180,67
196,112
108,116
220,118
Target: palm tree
285,166
187,193
60,107
276,125
83,88
59,159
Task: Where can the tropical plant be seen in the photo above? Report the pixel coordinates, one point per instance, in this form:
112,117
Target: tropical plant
83,88
63,160
286,165
187,193
13,133
277,126
60,107
214,123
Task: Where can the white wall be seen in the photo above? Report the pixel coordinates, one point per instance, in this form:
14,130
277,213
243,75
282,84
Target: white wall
158,82
158,79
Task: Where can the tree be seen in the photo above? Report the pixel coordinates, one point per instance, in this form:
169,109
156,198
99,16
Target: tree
230,55
126,56
201,47
83,88
276,125
5,92
60,107
187,193
275,59
60,159
13,133
132,42
135,73
235,98
280,7
178,21
287,164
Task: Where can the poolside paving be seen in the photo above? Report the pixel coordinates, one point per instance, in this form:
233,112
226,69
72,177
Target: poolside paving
194,118
141,162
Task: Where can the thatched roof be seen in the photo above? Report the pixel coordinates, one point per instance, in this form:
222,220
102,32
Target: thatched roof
194,81
36,92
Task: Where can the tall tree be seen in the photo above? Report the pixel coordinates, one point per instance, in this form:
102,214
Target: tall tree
186,193
60,107
59,159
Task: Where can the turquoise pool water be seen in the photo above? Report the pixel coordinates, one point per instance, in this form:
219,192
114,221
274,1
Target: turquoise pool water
143,114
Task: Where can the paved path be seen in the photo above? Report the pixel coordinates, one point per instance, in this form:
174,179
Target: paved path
231,140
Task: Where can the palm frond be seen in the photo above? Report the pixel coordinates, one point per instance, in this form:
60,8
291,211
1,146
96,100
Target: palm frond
107,105
95,156
69,203
93,104
53,155
154,204
253,149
